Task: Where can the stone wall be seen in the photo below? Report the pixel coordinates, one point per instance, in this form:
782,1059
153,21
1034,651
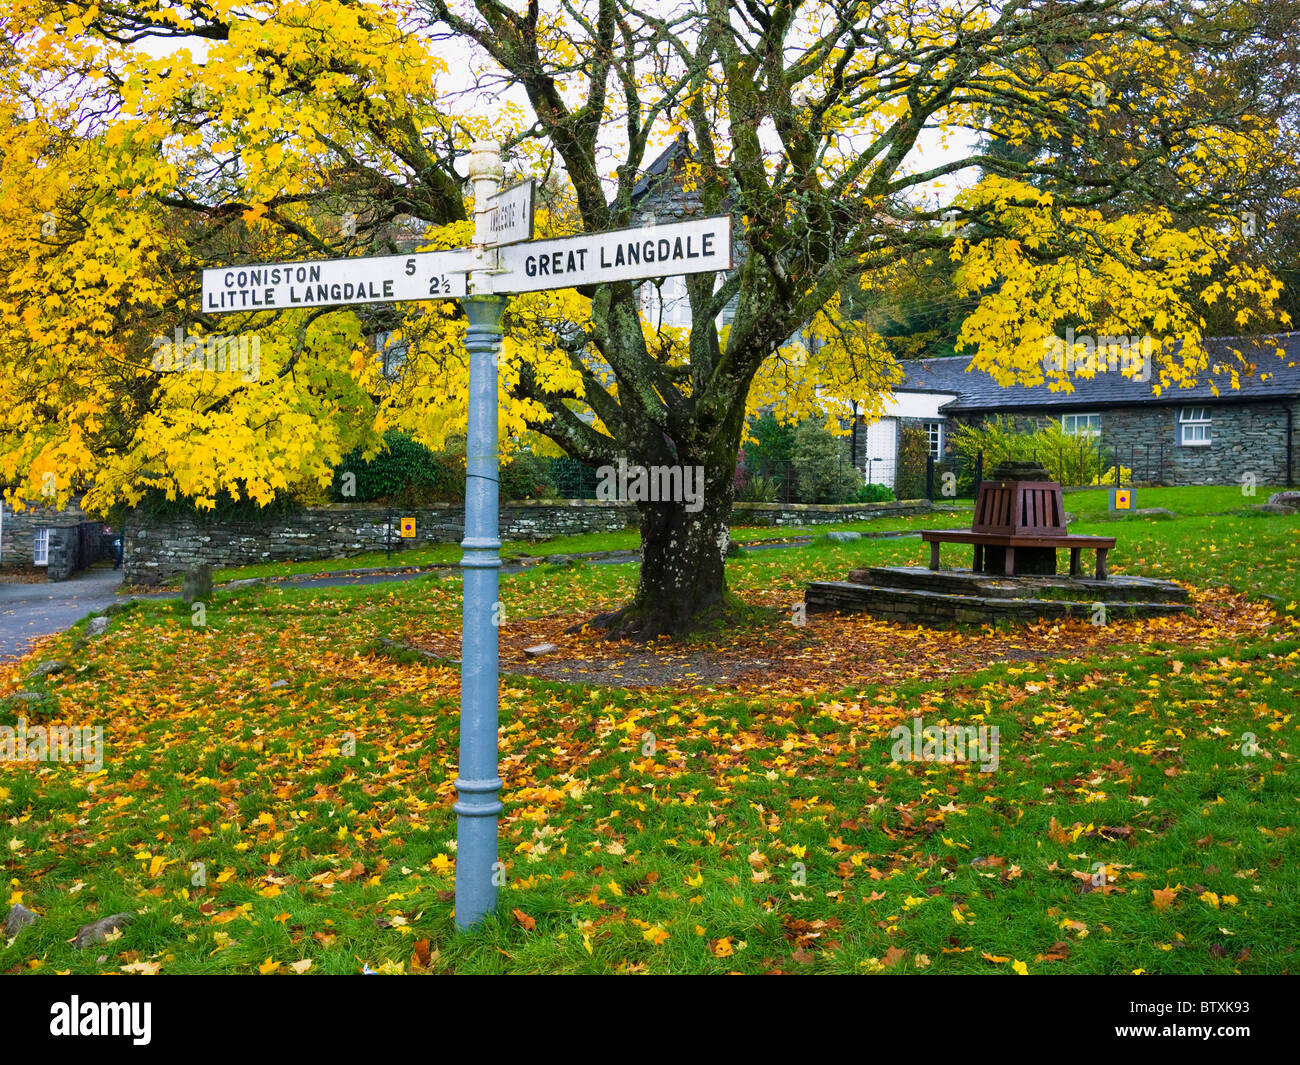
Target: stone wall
823,513
72,548
74,541
1245,438
157,548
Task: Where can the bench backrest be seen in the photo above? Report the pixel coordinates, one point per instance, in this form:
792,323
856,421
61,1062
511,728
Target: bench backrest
1016,508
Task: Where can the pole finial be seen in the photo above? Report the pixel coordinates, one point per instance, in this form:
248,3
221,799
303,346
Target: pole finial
485,160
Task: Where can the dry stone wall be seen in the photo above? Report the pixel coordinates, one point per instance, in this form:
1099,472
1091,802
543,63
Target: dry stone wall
157,548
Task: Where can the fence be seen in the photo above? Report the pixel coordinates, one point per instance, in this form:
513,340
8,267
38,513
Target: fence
1088,462
573,479
824,480
1092,462
913,473
792,482
1147,463
787,482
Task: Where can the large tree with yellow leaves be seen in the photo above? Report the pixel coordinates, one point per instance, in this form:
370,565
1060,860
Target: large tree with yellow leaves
142,141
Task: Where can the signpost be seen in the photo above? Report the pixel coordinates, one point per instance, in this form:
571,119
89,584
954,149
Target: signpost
424,275
504,260
512,214
696,246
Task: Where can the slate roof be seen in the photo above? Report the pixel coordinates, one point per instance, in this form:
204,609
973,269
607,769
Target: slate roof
661,165
1274,378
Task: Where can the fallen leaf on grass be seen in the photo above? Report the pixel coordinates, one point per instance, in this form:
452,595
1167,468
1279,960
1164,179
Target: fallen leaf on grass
421,956
1057,952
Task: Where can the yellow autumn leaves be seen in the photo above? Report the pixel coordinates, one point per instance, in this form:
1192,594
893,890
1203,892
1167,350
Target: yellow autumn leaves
101,239
271,966
1163,899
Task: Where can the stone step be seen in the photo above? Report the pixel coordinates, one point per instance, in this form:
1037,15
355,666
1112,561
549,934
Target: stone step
920,607
989,586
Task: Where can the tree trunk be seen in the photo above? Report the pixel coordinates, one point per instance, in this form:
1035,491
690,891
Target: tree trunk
683,583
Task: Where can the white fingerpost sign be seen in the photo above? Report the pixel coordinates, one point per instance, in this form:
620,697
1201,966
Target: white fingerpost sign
700,245
511,220
694,246
425,275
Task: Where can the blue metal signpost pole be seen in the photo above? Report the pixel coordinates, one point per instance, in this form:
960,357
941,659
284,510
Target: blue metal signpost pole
478,786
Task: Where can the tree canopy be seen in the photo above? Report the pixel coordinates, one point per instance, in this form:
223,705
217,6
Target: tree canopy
1107,155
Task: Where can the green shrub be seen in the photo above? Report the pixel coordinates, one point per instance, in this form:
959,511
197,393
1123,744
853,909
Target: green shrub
758,489
1069,459
405,473
913,453
527,476
824,469
154,504
772,448
774,440
874,493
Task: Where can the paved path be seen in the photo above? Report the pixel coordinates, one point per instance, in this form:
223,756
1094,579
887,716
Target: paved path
31,610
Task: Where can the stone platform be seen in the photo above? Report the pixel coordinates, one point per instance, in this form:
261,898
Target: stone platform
940,598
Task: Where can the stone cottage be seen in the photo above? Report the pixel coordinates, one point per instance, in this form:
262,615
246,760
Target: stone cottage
60,542
1208,434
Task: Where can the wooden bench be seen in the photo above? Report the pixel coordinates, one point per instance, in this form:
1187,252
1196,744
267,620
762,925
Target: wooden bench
1076,544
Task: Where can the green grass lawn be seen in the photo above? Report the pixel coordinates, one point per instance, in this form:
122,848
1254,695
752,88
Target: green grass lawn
255,827
1185,502
1087,505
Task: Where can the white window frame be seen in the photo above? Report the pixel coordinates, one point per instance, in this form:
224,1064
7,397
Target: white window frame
934,437
41,546
1070,424
667,305
1197,420
392,356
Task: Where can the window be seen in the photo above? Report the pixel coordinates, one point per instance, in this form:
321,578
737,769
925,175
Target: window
1082,424
667,305
934,434
392,352
41,549
1194,427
